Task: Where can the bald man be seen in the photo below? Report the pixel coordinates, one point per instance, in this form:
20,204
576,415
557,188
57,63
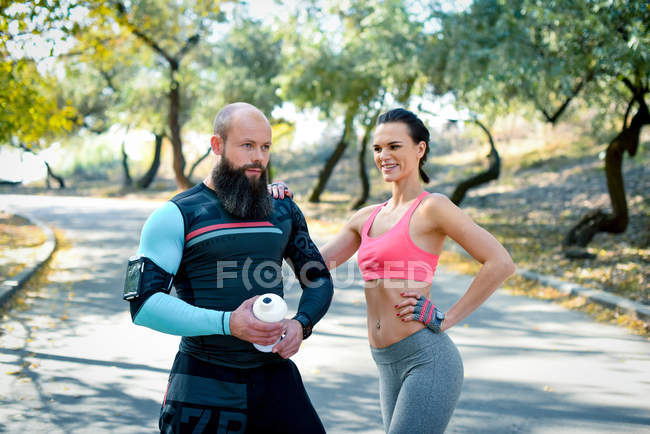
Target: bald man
221,245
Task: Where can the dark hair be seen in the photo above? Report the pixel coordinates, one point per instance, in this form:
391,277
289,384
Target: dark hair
417,131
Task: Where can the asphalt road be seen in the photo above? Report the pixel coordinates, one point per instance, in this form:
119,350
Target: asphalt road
72,361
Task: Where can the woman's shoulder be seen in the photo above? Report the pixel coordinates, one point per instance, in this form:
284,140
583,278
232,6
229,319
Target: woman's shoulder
434,203
360,216
435,199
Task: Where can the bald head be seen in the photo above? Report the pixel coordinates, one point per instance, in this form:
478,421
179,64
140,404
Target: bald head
235,111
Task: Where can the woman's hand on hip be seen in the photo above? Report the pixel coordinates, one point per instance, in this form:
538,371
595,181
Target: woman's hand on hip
417,307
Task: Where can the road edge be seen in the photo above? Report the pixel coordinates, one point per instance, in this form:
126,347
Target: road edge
10,286
603,298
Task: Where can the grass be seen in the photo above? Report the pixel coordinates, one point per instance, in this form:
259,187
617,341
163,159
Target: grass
531,222
18,238
520,286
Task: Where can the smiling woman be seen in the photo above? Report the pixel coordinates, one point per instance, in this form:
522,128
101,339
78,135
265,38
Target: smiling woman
391,136
399,243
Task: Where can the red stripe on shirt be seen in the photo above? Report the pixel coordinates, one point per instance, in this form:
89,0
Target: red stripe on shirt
226,226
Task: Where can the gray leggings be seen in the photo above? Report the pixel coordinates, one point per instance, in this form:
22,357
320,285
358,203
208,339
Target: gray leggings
420,378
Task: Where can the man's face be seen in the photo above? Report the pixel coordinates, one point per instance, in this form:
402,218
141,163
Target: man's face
239,179
248,144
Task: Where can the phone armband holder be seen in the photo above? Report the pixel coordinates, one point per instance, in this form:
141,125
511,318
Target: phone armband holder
139,269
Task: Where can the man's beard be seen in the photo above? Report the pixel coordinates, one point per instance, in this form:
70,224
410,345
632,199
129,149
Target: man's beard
240,196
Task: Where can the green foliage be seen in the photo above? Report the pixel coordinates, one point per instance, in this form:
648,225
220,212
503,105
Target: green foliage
145,48
350,66
500,54
242,66
32,109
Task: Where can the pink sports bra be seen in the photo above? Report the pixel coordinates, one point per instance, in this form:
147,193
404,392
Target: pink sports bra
394,255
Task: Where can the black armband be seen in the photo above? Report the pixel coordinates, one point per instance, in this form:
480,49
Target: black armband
144,278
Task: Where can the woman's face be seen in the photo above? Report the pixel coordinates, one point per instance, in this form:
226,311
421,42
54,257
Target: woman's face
396,154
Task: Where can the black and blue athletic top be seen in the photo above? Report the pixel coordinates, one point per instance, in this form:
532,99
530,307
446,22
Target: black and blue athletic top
219,261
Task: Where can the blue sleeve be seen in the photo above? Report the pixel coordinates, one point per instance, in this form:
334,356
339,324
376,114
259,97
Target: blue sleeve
162,240
168,314
163,237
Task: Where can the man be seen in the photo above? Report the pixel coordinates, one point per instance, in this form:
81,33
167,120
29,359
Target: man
221,243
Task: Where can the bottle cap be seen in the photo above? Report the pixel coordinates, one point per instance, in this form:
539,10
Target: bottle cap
270,308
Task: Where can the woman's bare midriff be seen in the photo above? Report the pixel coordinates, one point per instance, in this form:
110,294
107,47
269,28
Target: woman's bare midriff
384,326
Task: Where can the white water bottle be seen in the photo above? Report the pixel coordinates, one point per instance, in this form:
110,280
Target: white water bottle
269,308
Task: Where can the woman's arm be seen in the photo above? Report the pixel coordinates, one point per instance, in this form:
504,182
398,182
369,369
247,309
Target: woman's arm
341,248
451,221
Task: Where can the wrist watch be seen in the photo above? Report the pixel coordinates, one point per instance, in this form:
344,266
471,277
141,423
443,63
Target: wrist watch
436,322
306,324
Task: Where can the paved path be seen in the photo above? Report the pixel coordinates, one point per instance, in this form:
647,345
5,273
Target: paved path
71,361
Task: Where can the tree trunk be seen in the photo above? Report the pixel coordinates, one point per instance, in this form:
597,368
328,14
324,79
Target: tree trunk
56,177
174,88
595,221
148,177
334,158
197,162
127,180
363,174
492,172
50,173
175,131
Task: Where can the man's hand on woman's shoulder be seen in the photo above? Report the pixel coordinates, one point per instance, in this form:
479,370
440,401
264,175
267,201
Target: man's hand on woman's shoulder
279,190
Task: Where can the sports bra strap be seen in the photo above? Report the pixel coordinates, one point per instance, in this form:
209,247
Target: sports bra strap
369,220
405,220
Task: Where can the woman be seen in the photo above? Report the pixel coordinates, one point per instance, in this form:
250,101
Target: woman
398,243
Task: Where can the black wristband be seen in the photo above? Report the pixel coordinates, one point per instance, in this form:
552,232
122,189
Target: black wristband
306,324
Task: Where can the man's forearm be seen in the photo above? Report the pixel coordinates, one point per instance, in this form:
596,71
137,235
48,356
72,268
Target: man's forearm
316,298
168,314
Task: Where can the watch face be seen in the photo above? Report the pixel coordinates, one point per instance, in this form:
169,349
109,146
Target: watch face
440,315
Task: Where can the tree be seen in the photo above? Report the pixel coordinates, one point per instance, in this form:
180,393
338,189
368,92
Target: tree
619,35
613,39
134,96
31,108
528,53
347,71
500,55
243,66
368,125
171,31
627,140
496,57
40,107
33,112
